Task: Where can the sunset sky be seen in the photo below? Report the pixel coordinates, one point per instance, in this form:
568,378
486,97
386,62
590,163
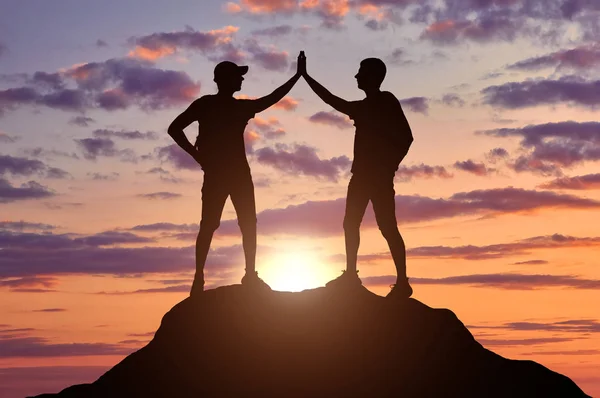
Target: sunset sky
498,200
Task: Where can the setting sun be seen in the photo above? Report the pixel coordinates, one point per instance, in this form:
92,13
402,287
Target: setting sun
295,270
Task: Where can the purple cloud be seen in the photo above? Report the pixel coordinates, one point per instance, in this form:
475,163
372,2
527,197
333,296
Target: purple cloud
508,281
29,347
324,218
416,104
25,226
268,58
550,146
453,100
584,182
157,45
274,31
332,119
566,90
479,169
29,190
407,173
177,157
126,135
160,195
580,58
117,83
303,160
81,121
522,247
104,147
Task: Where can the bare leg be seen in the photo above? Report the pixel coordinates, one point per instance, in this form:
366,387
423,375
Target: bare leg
213,201
242,197
356,204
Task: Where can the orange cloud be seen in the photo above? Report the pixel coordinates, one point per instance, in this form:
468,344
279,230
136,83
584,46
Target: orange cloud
151,54
268,6
441,26
287,103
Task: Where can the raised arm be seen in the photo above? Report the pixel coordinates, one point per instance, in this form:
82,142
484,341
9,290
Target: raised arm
176,127
334,101
260,104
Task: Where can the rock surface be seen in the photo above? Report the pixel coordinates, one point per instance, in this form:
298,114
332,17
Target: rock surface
317,343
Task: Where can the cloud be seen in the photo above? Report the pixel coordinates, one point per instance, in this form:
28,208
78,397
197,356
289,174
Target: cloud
407,173
579,58
522,247
507,281
26,167
453,100
104,177
82,121
20,166
302,160
160,195
551,146
28,282
50,310
93,148
157,45
33,255
479,169
416,104
274,31
114,84
3,49
531,262
166,226
168,289
569,90
332,118
584,182
8,139
287,103
494,27
268,128
126,135
569,326
268,58
398,57
39,347
177,157
29,190
101,43
523,342
324,218
25,226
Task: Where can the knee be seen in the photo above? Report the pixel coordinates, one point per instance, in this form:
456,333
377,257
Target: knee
351,224
247,224
390,231
209,225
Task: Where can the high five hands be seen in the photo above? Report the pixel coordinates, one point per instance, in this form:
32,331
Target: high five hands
301,66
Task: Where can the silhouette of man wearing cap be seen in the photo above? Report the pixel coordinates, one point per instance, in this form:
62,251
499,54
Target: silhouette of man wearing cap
220,151
383,137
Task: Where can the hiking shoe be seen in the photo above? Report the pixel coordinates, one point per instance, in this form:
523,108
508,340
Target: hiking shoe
197,287
400,291
346,280
252,281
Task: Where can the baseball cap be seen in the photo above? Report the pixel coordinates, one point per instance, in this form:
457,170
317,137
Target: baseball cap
228,69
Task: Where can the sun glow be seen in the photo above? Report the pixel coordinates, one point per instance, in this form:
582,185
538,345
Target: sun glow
296,270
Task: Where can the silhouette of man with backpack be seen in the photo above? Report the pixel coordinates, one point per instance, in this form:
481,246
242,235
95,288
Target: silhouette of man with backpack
383,137
220,151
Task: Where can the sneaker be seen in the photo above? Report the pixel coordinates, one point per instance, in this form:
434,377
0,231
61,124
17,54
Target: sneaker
252,280
400,291
197,287
347,279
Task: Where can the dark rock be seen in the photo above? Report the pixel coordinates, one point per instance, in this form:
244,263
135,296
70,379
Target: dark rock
317,343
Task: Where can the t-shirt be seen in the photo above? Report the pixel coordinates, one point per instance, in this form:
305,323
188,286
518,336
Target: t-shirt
221,125
383,135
